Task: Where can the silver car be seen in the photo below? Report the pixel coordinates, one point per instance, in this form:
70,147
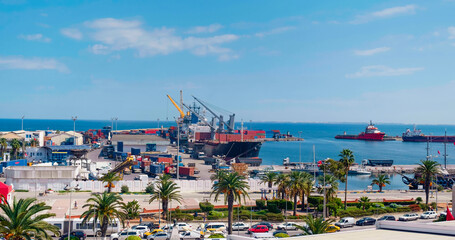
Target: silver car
158,236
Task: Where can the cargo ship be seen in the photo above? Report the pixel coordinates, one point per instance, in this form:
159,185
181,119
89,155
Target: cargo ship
417,136
371,134
215,137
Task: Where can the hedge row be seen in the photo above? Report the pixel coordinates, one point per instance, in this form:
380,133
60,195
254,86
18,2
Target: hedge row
355,212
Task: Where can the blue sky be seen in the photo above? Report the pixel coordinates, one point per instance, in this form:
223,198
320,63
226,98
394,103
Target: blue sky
298,61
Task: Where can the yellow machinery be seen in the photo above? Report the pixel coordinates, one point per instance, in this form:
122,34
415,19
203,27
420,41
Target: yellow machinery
182,114
130,161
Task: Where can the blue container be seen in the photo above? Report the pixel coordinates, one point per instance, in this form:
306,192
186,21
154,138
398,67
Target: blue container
18,162
150,147
120,146
156,168
135,151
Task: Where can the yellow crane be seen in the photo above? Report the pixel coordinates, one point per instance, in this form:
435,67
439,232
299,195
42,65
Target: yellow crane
182,114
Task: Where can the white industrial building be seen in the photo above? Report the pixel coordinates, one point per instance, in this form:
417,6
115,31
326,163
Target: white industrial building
56,139
40,177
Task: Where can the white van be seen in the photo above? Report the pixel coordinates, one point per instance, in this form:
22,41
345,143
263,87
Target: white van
216,226
345,222
265,235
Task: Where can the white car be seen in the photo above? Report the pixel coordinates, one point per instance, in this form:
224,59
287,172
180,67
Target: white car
190,235
125,234
158,236
141,228
240,226
182,227
409,217
287,226
445,212
429,215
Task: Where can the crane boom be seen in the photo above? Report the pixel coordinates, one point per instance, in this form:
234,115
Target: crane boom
182,114
214,114
199,116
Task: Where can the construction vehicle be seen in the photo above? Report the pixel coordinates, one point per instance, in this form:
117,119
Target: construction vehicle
125,166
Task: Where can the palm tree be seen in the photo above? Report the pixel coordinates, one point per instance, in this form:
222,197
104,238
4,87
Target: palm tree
331,192
3,146
15,146
132,209
166,190
233,186
282,181
314,225
296,185
364,202
269,178
110,178
34,142
218,175
104,209
427,169
23,220
381,181
307,187
346,161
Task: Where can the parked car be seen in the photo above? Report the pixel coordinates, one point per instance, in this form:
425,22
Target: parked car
387,218
155,231
345,222
79,234
168,227
258,229
240,226
190,235
269,225
429,215
445,212
365,221
216,227
332,228
287,226
263,235
125,234
182,227
145,231
409,217
158,236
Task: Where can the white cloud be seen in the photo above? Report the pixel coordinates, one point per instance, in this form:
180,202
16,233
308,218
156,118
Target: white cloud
382,71
18,62
117,35
35,37
274,31
451,31
205,29
385,13
370,52
71,33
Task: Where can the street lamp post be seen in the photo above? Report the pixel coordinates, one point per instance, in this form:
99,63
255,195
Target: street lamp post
22,122
74,129
70,189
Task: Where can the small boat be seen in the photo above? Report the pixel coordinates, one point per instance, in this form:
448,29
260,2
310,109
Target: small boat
359,171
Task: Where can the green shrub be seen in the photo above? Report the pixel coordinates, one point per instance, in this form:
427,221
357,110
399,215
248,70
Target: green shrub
206,206
419,200
124,189
274,217
281,235
133,238
198,218
149,189
216,235
260,204
72,238
315,200
422,206
280,204
215,215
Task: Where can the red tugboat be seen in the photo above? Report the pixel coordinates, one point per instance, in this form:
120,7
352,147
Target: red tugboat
371,134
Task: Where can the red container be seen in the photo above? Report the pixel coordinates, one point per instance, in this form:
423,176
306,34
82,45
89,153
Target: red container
145,163
186,171
165,160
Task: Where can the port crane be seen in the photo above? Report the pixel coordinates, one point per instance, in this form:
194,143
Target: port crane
229,125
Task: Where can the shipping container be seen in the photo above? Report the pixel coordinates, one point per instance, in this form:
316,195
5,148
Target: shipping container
165,160
18,162
120,146
135,151
150,147
186,171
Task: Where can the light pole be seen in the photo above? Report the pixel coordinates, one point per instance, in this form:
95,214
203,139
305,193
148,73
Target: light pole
22,122
159,209
178,149
116,123
158,120
70,189
74,129
300,149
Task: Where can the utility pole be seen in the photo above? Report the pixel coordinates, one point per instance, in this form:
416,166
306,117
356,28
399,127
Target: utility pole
74,129
242,130
178,148
23,123
300,150
445,149
116,123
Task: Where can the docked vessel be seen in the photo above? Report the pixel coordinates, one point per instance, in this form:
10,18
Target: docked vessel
215,137
371,134
417,136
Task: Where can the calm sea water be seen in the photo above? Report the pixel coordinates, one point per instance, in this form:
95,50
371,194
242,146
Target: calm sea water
321,135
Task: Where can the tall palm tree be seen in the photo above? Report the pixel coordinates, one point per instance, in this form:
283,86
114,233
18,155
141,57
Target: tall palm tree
427,169
296,184
364,202
282,181
307,187
234,187
269,177
24,220
165,191
346,161
314,225
110,178
218,175
15,146
381,181
132,209
104,209
3,146
331,192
